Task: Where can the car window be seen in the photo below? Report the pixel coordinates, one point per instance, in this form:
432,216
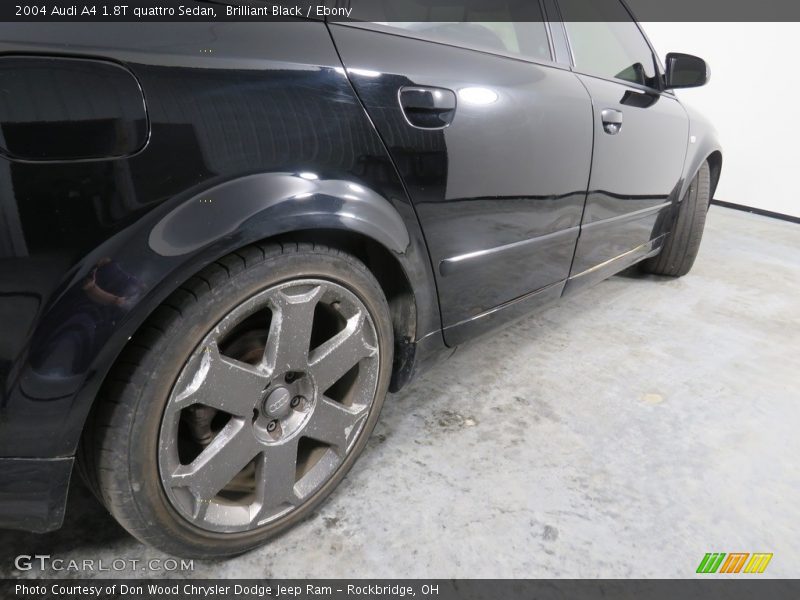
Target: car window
514,27
610,47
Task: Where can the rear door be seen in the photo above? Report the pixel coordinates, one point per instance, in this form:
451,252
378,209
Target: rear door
641,134
493,140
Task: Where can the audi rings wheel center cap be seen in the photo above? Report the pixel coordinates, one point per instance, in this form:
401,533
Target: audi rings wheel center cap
276,404
283,410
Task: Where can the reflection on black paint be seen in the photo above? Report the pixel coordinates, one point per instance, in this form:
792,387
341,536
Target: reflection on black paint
68,337
76,263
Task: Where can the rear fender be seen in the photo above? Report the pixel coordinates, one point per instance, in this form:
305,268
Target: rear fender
50,397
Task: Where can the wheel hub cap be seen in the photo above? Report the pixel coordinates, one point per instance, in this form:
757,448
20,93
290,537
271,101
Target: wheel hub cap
276,405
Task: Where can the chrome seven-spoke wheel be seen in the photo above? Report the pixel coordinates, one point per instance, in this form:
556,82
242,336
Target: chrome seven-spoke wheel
243,401
268,405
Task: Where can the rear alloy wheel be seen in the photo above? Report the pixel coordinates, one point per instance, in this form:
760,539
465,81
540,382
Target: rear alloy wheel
251,430
261,416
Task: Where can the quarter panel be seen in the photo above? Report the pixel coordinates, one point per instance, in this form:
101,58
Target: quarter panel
259,135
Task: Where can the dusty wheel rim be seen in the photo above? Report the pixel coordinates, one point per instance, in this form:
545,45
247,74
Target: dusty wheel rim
269,405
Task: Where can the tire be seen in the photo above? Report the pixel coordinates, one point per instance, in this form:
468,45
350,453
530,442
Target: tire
682,244
175,420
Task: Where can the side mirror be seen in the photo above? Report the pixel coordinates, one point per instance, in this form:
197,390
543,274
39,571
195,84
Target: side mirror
685,71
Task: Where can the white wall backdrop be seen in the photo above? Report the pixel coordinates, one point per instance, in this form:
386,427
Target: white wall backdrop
752,99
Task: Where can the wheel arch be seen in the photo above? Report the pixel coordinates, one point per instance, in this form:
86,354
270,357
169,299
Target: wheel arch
178,239
381,262
715,164
306,207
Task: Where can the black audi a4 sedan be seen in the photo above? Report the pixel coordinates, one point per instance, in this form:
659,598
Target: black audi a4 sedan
222,244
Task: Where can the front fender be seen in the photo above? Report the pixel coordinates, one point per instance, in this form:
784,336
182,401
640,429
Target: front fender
703,143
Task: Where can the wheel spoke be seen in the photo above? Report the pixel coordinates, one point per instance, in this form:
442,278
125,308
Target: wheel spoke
222,383
335,357
290,330
225,456
275,473
247,474
335,424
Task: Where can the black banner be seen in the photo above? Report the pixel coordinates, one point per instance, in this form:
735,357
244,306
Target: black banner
394,10
395,589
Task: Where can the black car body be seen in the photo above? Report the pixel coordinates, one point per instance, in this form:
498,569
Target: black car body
476,181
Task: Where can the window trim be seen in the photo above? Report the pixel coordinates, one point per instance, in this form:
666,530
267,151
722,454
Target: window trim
656,59
556,23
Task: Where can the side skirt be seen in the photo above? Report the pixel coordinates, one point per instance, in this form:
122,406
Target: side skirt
610,267
501,315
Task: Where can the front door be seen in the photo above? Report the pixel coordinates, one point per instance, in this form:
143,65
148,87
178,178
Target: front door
640,133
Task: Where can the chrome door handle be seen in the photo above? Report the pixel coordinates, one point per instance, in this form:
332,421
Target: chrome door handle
612,121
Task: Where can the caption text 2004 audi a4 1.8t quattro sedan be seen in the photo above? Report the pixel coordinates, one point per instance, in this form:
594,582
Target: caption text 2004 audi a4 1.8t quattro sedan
215,264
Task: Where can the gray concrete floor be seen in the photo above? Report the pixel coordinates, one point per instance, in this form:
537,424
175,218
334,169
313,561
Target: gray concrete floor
622,433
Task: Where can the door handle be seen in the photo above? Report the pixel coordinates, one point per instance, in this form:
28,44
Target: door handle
427,107
612,121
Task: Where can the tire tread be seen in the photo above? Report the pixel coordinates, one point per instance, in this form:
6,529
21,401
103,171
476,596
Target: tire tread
682,245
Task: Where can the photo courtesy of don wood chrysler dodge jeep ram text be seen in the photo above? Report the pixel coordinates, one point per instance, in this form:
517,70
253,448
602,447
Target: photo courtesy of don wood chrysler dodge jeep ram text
213,266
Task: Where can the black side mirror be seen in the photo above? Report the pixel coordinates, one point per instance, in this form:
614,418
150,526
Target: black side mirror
685,71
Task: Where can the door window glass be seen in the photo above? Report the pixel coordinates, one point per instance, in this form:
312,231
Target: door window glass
612,46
